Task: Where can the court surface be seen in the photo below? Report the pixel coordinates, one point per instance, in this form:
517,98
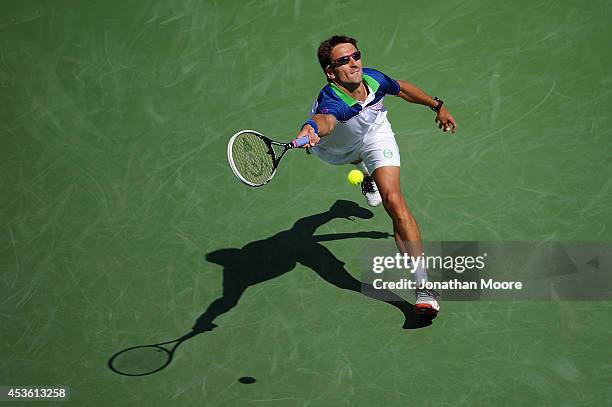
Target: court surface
114,122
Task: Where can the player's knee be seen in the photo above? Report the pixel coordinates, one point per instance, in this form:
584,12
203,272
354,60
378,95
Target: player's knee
395,205
390,198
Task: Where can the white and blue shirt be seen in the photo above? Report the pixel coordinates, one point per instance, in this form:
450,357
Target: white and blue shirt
355,120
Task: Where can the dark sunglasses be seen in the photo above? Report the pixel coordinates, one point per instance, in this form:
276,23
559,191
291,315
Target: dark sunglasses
345,59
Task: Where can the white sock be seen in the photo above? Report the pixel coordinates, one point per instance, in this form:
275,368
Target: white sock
420,274
361,167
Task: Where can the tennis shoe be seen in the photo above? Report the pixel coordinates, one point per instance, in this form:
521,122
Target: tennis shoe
426,301
370,191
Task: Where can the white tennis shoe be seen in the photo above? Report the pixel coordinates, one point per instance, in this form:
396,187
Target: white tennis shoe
426,301
370,191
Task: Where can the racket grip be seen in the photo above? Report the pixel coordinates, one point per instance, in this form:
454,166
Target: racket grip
299,142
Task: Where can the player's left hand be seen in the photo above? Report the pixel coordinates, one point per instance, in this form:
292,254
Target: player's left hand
446,121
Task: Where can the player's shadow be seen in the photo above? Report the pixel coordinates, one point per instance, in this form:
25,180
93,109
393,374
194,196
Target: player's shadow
264,260
269,258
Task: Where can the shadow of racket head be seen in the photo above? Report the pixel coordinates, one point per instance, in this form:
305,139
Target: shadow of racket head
148,359
141,360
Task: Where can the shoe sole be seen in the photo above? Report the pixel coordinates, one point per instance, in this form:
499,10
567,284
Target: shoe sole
425,309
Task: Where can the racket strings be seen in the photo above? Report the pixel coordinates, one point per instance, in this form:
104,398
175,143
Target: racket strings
252,158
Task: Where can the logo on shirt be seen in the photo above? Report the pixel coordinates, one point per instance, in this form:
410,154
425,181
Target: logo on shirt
378,105
387,153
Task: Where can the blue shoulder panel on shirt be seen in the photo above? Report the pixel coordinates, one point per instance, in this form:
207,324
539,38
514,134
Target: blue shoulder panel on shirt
388,86
329,103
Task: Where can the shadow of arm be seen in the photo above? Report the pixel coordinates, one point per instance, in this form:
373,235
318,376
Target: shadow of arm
340,236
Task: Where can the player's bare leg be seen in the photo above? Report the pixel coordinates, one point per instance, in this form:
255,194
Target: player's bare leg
405,229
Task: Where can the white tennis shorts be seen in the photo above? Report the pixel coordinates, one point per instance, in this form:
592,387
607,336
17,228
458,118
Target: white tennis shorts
377,149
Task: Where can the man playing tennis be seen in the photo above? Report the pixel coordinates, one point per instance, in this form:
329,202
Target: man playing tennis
349,125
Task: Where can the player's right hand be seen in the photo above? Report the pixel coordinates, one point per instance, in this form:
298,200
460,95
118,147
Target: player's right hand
307,130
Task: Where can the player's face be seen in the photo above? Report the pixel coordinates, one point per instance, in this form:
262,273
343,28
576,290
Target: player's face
349,73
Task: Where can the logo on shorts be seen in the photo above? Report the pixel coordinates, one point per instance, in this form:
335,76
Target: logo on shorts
387,153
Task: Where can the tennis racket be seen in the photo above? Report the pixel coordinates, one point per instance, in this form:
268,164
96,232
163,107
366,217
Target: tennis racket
252,157
146,359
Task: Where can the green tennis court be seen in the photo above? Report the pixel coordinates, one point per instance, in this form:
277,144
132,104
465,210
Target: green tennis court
119,209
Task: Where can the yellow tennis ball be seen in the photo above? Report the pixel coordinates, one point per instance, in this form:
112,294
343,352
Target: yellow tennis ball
355,177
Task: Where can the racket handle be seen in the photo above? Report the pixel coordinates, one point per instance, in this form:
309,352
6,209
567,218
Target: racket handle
299,142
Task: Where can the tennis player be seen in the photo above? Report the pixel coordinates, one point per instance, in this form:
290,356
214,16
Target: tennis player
349,125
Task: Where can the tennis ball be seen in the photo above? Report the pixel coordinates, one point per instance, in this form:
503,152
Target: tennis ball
355,177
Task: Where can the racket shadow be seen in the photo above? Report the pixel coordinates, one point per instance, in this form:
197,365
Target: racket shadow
144,360
266,259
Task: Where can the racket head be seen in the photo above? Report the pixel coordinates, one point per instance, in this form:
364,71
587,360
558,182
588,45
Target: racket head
140,360
251,157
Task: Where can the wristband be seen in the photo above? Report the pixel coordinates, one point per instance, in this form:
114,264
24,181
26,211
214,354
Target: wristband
438,106
313,124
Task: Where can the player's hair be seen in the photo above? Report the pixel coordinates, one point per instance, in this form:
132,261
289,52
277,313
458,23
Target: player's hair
325,49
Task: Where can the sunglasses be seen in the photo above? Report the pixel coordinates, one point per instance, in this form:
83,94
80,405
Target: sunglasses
345,59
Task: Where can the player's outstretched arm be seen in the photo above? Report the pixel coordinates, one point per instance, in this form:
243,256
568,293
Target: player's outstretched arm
413,94
325,125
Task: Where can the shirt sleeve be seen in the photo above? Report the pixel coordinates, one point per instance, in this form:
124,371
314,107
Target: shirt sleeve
327,104
388,85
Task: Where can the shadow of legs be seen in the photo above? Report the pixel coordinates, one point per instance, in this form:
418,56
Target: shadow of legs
332,270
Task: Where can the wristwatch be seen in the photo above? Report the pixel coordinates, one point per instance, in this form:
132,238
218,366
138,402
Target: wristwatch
438,105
